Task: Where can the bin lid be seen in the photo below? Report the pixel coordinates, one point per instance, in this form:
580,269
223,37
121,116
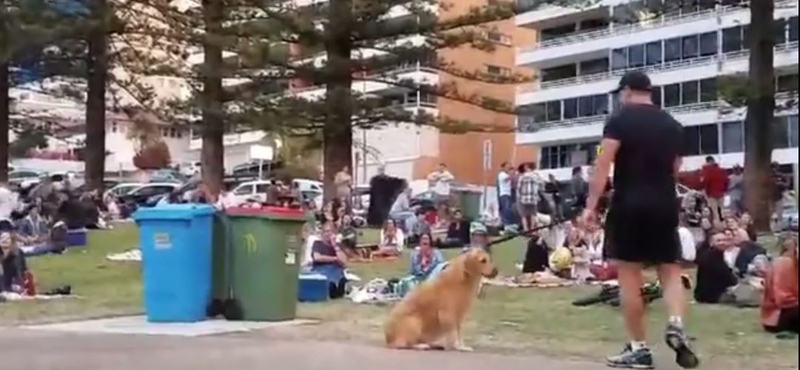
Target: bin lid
272,213
173,212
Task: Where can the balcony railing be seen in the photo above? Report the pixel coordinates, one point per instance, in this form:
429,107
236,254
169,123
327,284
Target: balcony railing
659,68
618,30
388,72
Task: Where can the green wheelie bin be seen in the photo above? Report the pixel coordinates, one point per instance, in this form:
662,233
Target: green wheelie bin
263,257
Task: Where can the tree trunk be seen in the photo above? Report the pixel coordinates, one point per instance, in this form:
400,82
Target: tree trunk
212,156
338,132
97,76
760,113
5,120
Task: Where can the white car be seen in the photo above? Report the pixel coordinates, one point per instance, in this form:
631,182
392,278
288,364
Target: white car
25,178
251,190
121,189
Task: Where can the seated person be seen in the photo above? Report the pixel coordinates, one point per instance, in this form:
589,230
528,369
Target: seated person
419,228
491,218
537,255
12,260
347,235
458,232
401,210
329,260
746,222
779,309
33,228
425,259
741,256
581,257
478,237
309,238
392,240
714,274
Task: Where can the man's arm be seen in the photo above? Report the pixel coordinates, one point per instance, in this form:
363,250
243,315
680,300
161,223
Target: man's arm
597,184
677,166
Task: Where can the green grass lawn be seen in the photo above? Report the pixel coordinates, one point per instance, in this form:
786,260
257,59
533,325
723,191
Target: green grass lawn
505,321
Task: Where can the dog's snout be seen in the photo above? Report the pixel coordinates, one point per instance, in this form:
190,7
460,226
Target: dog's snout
494,273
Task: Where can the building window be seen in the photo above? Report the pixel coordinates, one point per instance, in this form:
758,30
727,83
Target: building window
559,73
793,29
732,39
691,47
780,131
594,66
619,59
690,93
779,29
702,140
600,104
570,108
539,112
636,56
553,111
654,53
672,95
498,37
787,83
793,131
564,156
732,137
708,44
708,90
673,50
586,108
114,127
497,70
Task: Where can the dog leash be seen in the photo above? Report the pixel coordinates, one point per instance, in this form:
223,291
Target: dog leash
526,233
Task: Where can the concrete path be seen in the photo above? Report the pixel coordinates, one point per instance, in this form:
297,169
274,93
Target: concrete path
22,349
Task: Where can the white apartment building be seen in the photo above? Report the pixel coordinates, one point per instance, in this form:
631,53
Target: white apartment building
582,53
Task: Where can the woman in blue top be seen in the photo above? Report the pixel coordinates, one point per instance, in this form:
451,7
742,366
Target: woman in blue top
426,262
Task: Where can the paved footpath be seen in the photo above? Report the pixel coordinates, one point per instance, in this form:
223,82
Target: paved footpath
34,350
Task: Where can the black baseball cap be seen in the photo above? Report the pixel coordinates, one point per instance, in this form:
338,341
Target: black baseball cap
635,80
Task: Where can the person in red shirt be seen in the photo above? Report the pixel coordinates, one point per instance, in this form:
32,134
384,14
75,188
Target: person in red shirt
715,183
779,310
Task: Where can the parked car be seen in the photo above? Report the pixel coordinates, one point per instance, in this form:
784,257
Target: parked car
147,195
167,176
122,189
252,190
24,179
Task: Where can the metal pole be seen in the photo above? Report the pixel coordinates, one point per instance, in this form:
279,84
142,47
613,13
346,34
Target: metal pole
364,160
260,169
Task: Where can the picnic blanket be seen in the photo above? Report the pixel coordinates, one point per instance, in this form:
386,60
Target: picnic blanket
535,280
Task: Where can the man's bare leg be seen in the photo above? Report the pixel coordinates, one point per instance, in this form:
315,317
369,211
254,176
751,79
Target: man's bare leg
636,355
675,336
630,283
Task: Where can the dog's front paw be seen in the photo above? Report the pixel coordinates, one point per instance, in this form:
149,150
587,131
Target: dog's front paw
463,348
423,347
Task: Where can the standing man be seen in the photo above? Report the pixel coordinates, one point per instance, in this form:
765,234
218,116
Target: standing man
504,191
344,186
528,195
644,144
715,184
580,188
439,181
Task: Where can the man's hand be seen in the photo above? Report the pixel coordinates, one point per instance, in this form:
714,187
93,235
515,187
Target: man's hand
589,217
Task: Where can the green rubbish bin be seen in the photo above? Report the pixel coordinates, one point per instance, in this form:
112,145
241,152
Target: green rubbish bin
470,203
264,260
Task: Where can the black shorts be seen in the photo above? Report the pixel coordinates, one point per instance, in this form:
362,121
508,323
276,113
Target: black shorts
647,235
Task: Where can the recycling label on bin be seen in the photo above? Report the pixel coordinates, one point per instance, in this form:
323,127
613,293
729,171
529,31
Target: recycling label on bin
162,241
291,253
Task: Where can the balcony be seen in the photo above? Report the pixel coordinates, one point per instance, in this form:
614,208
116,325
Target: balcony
595,43
662,74
417,74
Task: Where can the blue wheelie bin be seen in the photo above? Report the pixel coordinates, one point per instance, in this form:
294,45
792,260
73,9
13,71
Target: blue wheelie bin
176,261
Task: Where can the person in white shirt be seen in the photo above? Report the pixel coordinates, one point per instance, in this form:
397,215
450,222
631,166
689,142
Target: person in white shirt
439,181
9,202
401,210
504,193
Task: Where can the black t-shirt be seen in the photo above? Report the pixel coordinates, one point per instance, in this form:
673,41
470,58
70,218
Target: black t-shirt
651,141
324,249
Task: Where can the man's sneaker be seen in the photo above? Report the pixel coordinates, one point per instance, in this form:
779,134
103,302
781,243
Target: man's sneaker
630,359
677,340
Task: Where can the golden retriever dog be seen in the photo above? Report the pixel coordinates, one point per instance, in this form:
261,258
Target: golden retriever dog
432,314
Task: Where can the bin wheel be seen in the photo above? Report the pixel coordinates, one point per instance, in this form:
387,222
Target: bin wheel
232,310
214,308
